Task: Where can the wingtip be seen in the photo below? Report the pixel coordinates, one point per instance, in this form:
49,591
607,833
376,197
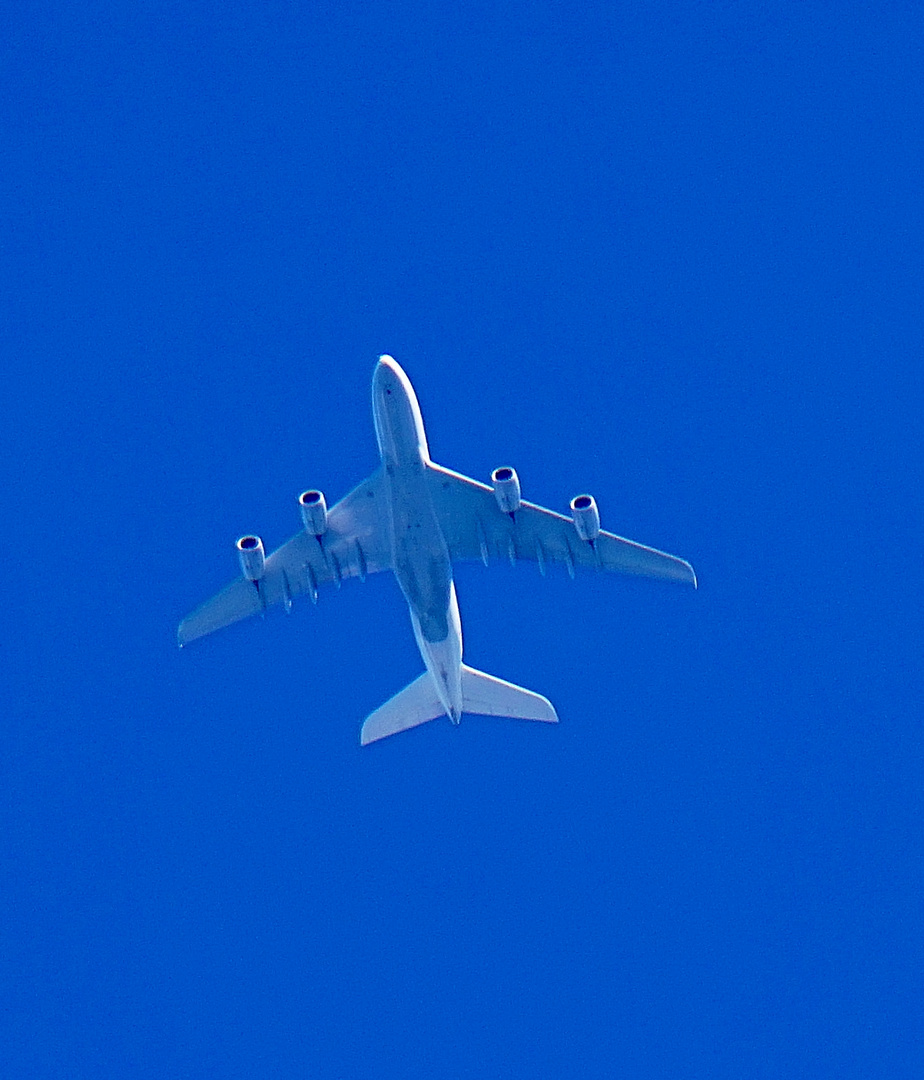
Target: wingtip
552,717
689,574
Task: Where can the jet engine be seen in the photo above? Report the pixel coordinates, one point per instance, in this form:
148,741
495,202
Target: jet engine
314,512
586,516
506,489
253,557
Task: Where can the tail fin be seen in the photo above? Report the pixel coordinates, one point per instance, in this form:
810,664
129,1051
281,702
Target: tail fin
489,696
481,693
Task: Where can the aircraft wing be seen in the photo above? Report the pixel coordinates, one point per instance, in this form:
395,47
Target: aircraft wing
475,527
355,544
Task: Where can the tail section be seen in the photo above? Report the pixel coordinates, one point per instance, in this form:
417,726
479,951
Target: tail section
481,693
489,696
415,704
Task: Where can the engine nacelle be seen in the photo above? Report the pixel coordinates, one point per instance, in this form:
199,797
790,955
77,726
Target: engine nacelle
506,489
586,516
314,512
253,557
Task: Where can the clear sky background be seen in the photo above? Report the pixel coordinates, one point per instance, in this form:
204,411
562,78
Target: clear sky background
669,253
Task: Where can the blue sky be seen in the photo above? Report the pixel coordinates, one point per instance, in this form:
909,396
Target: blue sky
667,253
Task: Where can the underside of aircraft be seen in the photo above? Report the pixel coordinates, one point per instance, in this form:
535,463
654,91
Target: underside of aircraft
416,518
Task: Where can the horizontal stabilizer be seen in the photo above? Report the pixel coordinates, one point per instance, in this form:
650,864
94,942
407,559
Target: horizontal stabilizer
481,693
489,696
415,704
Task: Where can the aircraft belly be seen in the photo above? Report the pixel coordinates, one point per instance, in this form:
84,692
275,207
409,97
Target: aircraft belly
420,556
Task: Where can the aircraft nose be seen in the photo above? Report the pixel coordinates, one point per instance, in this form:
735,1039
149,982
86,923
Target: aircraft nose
389,377
387,365
386,369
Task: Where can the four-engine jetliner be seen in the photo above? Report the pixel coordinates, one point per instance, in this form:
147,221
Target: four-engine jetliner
416,518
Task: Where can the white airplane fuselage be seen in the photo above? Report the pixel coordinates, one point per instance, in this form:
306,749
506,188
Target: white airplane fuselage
420,556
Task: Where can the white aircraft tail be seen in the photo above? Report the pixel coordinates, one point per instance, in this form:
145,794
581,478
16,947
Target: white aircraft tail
489,696
415,704
481,693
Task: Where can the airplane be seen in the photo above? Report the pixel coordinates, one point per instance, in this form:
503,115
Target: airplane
416,518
